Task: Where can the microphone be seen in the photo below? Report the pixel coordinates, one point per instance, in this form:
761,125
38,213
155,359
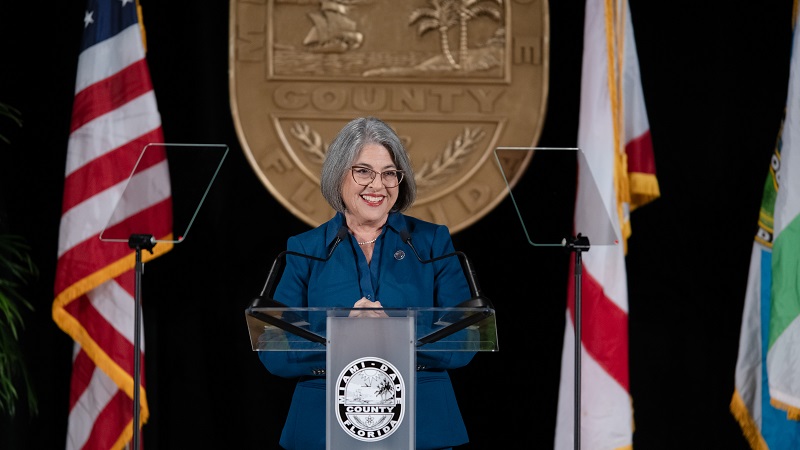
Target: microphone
477,300
277,264
466,266
266,294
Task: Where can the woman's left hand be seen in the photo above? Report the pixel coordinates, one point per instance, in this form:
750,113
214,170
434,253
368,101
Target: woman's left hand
367,308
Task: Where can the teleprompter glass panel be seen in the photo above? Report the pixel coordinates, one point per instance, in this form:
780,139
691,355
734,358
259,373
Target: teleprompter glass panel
545,202
190,170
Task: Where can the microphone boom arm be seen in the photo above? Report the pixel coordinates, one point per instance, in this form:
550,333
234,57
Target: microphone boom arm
269,287
477,300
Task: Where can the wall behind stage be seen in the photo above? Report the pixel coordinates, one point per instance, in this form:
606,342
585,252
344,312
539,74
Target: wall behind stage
715,80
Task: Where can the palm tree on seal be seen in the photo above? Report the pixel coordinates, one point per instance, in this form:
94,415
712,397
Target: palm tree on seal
442,16
468,10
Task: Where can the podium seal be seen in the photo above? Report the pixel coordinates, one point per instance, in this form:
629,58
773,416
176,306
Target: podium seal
370,399
454,79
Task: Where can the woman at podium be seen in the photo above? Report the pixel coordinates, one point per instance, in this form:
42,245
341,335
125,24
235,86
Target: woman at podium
363,257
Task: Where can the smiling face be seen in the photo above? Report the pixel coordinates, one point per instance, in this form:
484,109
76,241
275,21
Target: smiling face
369,205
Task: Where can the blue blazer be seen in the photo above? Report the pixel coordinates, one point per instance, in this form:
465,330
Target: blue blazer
397,279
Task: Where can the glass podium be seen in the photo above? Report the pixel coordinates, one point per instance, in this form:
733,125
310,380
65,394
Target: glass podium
372,351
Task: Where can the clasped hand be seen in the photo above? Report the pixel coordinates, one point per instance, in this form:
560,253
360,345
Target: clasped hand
367,308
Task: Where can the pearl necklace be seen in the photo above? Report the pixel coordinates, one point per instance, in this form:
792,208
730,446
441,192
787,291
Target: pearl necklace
368,242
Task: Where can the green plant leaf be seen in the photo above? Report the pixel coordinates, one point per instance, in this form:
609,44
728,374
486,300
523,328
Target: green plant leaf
16,270
11,113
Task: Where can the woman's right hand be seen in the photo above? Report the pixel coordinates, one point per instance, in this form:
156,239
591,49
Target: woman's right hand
367,308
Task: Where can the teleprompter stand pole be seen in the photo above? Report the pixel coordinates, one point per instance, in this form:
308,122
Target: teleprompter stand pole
138,242
578,245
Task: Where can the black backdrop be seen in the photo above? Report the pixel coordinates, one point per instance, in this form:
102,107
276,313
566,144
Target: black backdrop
714,75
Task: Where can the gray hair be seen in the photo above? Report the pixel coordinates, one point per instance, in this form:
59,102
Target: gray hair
346,147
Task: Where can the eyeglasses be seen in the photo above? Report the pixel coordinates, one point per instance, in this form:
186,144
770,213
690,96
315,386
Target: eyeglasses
364,176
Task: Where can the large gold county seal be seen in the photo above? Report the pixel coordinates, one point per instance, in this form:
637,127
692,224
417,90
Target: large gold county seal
454,78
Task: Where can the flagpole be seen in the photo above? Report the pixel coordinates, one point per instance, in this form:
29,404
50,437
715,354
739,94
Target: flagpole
138,242
578,245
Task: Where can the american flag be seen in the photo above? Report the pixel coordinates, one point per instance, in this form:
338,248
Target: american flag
114,117
614,135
